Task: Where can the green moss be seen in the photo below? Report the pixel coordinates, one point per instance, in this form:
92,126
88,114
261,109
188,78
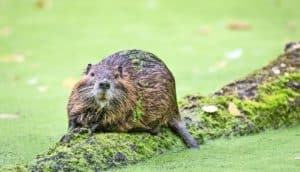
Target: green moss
104,151
138,112
135,61
136,58
274,105
16,168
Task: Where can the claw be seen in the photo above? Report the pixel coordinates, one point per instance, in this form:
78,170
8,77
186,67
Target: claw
78,130
90,132
83,130
65,138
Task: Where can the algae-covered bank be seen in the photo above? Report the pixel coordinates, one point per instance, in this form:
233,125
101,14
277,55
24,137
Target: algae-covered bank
268,98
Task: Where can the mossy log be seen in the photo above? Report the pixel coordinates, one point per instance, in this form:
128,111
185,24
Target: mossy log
268,98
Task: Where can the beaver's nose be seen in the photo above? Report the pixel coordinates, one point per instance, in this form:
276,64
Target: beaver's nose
104,85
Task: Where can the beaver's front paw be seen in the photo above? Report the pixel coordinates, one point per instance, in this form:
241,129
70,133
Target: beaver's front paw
66,138
93,129
79,130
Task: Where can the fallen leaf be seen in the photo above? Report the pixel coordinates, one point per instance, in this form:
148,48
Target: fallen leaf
8,116
5,31
210,108
12,58
43,3
275,70
282,65
42,88
238,26
234,54
233,109
204,30
15,77
218,66
32,81
69,82
292,25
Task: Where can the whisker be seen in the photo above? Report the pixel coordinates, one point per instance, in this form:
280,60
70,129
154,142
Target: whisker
85,89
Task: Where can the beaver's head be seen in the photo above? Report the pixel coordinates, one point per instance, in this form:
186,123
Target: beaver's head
104,85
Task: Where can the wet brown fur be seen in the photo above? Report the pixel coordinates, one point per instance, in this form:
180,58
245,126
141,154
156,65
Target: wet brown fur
146,83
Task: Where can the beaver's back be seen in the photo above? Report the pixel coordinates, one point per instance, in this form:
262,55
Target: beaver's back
153,81
137,62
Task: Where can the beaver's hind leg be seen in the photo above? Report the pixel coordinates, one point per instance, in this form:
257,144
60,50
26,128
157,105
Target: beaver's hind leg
180,129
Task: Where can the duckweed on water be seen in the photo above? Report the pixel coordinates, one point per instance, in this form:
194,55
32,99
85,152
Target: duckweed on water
260,105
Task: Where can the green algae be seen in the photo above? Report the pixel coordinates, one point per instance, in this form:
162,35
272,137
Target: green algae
138,111
273,102
272,107
104,151
136,58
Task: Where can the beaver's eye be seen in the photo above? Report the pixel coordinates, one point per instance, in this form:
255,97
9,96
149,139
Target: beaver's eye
117,75
92,74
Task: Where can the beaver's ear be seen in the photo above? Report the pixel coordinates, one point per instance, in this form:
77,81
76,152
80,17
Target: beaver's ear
120,69
88,68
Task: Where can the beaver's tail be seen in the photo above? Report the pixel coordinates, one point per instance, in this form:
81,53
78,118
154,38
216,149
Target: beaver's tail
180,129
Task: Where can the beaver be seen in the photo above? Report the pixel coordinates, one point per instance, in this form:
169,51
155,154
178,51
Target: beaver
129,91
